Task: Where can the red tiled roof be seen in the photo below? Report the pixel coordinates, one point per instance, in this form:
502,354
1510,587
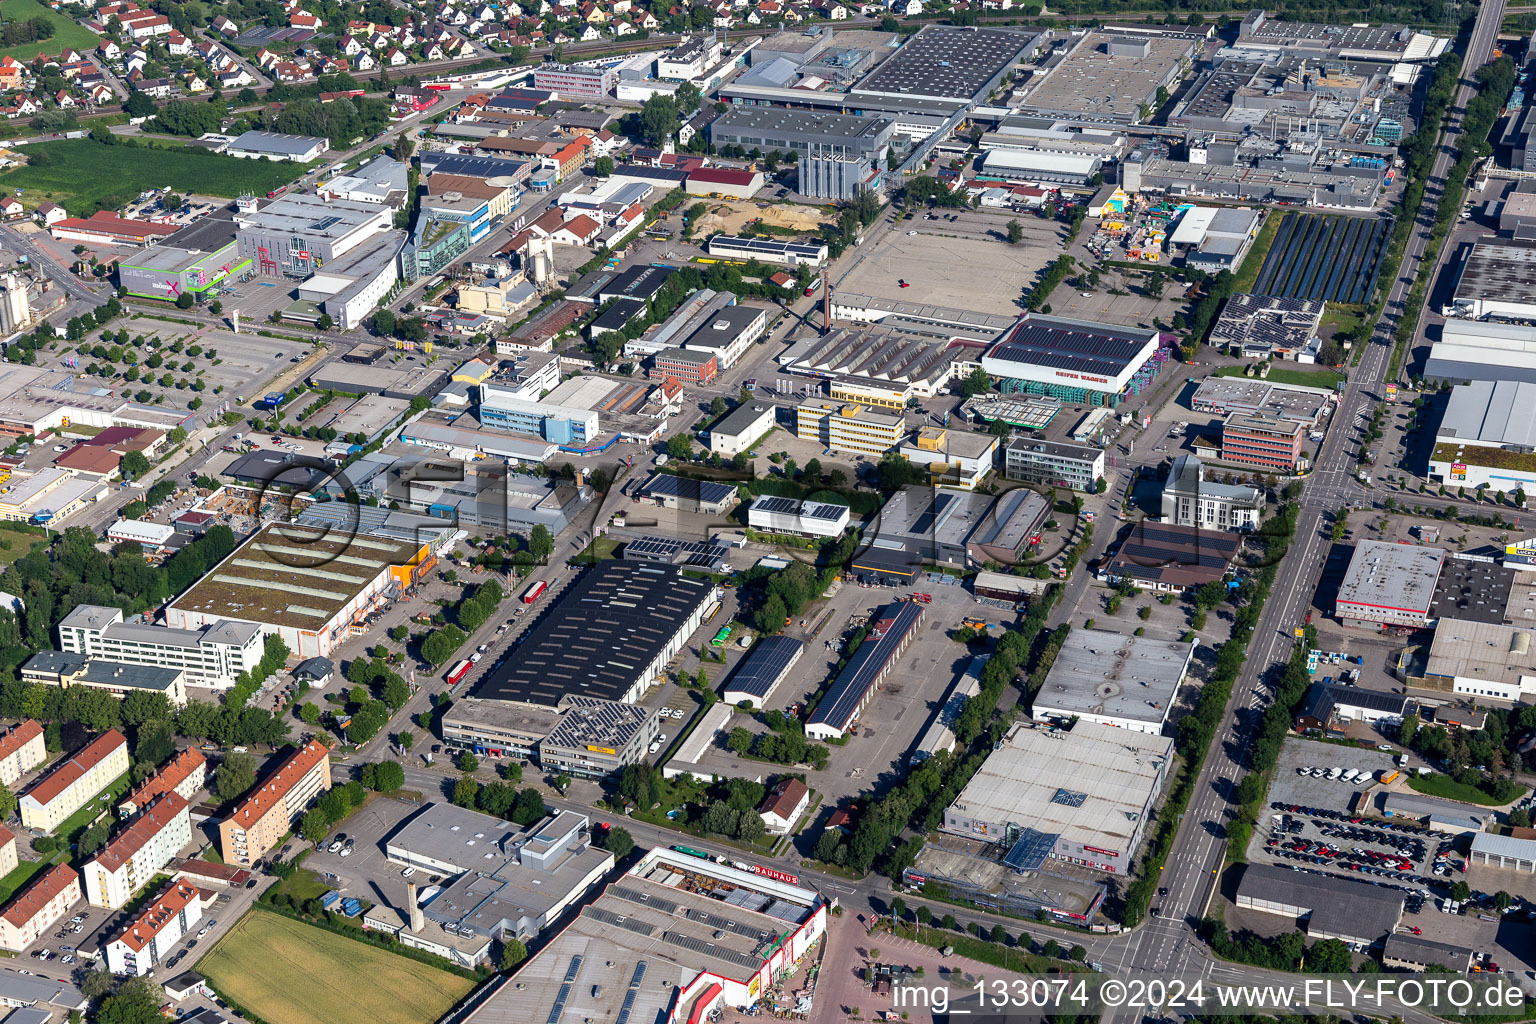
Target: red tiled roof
276,786
7,837
581,226
139,931
170,775
15,739
111,224
144,827
40,893
60,779
89,459
784,797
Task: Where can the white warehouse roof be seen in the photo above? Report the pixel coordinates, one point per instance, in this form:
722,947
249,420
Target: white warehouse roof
138,530
1041,160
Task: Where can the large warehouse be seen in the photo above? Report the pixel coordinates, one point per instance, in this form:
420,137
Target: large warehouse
1389,585
198,257
1498,279
1335,908
772,129
1482,660
1074,360
1113,75
1129,682
299,233
1473,350
1083,796
1487,437
840,707
610,635
945,64
306,585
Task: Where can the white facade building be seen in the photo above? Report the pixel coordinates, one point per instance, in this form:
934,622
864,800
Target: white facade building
146,845
819,519
212,656
155,931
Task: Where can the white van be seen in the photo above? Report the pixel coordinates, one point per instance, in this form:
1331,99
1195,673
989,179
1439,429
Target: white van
1350,776
1335,772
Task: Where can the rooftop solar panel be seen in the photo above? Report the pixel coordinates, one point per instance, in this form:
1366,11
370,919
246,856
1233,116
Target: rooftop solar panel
760,671
687,487
853,684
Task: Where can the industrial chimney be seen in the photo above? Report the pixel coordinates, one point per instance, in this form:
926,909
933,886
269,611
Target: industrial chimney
417,921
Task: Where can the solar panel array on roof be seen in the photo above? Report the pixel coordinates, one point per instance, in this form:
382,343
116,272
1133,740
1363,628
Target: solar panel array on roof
1099,350
771,503
746,899
706,491
760,671
853,684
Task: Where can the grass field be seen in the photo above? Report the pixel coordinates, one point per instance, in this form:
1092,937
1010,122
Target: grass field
66,33
15,543
85,175
1450,789
288,972
104,801
1292,373
25,870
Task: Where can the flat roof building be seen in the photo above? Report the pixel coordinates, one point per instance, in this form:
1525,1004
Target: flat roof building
1189,499
1487,435
255,145
767,250
845,699
1074,360
1165,556
848,426
297,233
955,458
771,129
1485,660
1129,682
1054,463
795,518
1497,279
1334,907
1113,75
1482,350
1389,585
1225,396
1268,443
1084,796
1262,326
214,655
610,635
955,64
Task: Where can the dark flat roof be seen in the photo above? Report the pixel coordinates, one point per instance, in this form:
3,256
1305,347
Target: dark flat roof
597,640
1181,556
944,61
1101,349
706,491
866,664
764,666
1338,905
206,234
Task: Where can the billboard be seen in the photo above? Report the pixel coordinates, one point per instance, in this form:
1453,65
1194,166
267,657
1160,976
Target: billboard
1458,471
1521,552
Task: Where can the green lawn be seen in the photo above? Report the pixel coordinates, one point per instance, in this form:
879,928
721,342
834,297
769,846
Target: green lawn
1299,374
16,542
103,802
1450,789
1248,273
13,882
66,33
85,175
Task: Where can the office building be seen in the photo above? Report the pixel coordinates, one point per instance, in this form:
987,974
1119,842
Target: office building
611,635
736,432
848,427
567,424
349,289
184,774
1074,360
1054,463
955,458
503,881
790,517
1128,682
675,938
777,129
56,668
29,915
213,656
1189,499
1084,796
690,58
138,853
728,333
1223,396
269,811
576,82
298,234
1263,442
1333,907
883,366
588,737
890,632
151,935
1168,557
692,368
255,145
1389,585
344,579
74,782
21,749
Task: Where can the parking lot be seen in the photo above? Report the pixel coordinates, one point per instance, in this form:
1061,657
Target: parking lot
365,872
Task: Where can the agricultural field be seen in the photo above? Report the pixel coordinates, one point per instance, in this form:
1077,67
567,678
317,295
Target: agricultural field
85,176
286,972
1317,256
66,33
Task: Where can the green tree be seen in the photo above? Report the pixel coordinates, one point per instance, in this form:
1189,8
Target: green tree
1052,949
384,322
309,713
466,791
136,1001
235,776
1408,730
93,839
184,300
388,776
468,762
619,842
513,952
680,446
1460,891
134,464
602,167
1015,232
314,825
540,543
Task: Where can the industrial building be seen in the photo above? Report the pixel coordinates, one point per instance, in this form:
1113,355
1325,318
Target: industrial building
1265,326
686,494
1505,852
1389,585
74,781
943,68
760,672
939,737
404,381
1214,239
213,656
890,632
609,635
1334,907
767,250
1128,682
955,458
1481,660
675,938
1482,350
381,180
256,145
1416,953
1258,31
1113,75
1189,499
1074,360
298,234
728,333
1495,281
470,493
791,517
1039,166
884,366
199,257
268,813
344,578
849,426
1054,463
1224,396
1328,708
587,737
1168,557
723,183
1085,796
777,129
502,881
1264,442
1487,437
735,432
835,177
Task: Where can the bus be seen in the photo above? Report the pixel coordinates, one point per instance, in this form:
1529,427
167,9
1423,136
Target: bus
534,592
721,637
810,289
690,851
459,672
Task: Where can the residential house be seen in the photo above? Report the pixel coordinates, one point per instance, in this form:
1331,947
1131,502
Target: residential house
29,915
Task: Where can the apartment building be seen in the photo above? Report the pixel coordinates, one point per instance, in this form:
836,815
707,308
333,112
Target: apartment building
155,930
21,750
184,775
213,656
1262,441
270,809
29,916
138,852
74,782
1054,463
8,856
848,427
